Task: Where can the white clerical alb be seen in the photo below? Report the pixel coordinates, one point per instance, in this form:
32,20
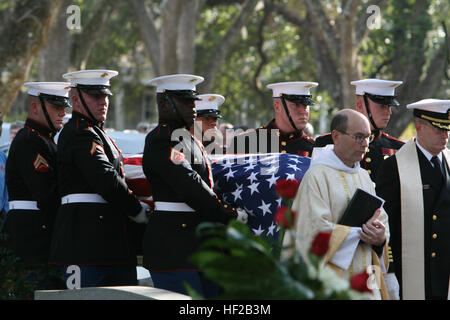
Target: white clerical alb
324,193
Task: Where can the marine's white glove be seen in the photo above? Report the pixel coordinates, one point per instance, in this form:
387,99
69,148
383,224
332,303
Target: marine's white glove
242,215
142,216
392,286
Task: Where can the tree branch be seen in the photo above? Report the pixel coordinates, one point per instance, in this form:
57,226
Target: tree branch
148,31
321,22
91,32
21,42
267,13
222,50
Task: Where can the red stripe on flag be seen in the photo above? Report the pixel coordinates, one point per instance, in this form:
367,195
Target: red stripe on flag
139,186
136,161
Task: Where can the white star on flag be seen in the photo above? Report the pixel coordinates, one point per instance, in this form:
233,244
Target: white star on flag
265,207
230,174
253,188
252,177
272,180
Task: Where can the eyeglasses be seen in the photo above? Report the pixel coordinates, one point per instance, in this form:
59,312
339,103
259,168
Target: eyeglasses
359,137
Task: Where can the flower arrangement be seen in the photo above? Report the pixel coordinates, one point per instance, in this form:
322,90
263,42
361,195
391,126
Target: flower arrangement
248,267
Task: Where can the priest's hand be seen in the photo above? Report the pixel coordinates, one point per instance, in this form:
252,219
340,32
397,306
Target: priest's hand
373,231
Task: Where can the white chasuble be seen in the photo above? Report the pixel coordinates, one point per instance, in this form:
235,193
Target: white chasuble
324,193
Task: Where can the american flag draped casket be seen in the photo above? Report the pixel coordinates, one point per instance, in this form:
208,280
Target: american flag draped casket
245,181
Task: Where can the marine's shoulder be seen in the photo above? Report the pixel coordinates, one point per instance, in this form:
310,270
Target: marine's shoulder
394,141
323,140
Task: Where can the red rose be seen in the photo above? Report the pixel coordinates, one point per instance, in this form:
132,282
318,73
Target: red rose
320,244
287,188
284,217
359,282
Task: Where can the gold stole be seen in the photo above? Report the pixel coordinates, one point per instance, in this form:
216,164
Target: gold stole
338,236
412,217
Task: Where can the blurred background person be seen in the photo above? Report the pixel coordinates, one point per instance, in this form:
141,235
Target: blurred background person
14,128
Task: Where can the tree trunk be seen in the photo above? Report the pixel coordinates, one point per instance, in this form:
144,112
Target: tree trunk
170,14
91,31
54,59
186,37
149,33
24,31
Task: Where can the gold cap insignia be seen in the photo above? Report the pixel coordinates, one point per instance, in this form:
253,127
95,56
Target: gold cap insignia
193,80
105,74
212,98
308,86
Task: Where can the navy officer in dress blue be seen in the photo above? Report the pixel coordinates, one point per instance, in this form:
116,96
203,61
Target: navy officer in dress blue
95,223
284,133
179,172
415,183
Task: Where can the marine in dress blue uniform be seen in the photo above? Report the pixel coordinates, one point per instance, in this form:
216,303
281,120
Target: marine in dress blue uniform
31,178
94,227
205,125
284,133
374,98
179,172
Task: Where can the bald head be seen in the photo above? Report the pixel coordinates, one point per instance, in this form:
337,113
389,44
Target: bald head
341,120
350,131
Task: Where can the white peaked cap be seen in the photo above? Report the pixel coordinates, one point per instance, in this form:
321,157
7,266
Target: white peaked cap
300,88
60,89
209,102
176,82
376,87
90,77
436,111
433,105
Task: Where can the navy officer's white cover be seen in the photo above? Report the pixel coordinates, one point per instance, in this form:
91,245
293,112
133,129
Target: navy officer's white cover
301,88
376,87
176,82
208,105
436,111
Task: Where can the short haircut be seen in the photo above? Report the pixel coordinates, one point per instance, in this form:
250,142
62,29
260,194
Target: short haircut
339,122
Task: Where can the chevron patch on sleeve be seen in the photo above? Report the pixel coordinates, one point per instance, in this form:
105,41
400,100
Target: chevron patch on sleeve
96,146
41,164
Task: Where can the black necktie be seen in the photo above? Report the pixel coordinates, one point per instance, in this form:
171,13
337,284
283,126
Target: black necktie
437,164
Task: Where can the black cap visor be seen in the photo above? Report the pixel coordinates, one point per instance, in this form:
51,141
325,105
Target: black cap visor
438,120
182,94
95,90
56,100
295,98
383,100
209,113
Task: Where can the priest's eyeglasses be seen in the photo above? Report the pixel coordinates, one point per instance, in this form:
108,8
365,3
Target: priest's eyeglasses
359,137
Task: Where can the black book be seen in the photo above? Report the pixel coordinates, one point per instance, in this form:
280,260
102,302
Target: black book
360,209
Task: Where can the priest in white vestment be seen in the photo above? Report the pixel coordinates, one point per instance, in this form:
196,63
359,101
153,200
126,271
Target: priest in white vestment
324,193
